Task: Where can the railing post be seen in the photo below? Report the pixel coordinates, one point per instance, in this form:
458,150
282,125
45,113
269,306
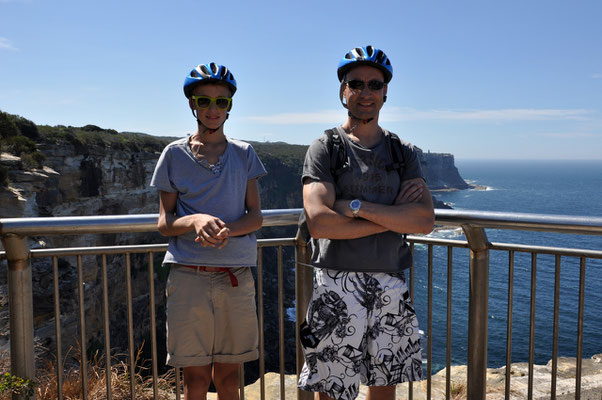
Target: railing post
303,290
477,311
20,298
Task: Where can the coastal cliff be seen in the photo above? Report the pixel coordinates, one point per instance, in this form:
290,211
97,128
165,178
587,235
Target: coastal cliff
105,181
440,172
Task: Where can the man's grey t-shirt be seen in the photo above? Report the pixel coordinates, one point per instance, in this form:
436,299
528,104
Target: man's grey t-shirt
367,179
214,191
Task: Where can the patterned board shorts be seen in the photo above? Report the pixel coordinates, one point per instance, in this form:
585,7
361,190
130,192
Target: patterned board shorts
360,327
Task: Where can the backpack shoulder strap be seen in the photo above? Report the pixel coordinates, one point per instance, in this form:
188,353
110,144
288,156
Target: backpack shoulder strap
397,153
338,157
338,154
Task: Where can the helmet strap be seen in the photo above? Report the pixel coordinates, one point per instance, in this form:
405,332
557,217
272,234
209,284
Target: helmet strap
207,129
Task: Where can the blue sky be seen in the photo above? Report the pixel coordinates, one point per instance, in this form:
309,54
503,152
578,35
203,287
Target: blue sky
478,79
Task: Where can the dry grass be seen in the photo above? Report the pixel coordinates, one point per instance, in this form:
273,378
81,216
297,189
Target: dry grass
458,391
46,382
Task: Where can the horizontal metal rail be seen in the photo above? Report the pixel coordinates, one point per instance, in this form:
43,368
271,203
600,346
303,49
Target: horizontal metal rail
561,251
521,221
115,223
14,230
283,217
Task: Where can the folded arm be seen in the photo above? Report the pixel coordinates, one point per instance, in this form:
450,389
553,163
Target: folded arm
413,216
324,222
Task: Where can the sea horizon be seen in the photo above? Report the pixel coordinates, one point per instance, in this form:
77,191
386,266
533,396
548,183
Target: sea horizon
556,187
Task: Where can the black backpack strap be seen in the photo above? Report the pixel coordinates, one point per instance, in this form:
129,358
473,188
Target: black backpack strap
398,161
397,153
338,164
338,154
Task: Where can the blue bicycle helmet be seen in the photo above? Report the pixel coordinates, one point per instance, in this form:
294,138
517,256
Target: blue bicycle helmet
207,73
367,55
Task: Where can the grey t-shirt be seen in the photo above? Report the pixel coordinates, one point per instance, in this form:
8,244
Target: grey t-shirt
218,191
369,180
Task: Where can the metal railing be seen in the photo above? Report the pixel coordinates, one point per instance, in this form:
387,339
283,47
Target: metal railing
14,232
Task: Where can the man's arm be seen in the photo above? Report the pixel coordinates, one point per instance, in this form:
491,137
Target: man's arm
324,222
402,217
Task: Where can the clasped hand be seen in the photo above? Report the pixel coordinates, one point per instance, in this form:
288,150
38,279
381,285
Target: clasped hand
211,231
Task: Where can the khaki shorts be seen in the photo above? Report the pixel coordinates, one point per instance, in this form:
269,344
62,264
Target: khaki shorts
208,320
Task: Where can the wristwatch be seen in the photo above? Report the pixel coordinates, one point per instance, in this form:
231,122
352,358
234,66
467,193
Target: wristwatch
355,206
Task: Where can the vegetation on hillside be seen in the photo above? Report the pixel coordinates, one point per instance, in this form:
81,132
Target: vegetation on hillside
86,137
22,137
17,136
291,155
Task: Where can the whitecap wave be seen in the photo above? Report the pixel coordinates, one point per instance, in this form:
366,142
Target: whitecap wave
446,233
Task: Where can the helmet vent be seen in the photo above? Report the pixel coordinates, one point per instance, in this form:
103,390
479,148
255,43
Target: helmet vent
359,52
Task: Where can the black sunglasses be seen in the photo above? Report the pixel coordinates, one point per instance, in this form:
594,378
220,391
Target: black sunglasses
374,84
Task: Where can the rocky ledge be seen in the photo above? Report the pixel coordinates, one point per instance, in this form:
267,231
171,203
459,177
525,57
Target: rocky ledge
591,383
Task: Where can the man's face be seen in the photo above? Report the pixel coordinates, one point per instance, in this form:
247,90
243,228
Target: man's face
364,103
213,116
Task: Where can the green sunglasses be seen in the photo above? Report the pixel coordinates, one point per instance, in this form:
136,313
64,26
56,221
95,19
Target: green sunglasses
222,103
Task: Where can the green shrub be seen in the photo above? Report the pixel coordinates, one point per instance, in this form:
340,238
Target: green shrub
33,160
92,128
8,128
26,127
21,145
16,385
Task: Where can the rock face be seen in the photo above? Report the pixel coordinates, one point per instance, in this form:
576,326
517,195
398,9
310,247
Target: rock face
99,180
95,181
591,381
441,172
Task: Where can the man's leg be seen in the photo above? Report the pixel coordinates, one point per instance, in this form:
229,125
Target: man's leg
381,393
322,396
196,382
394,350
225,379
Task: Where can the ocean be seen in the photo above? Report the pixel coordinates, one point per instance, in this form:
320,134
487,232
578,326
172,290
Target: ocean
543,187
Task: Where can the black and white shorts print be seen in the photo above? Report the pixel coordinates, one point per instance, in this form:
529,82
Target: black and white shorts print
360,327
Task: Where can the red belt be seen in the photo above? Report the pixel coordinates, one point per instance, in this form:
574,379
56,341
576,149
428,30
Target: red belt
233,279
